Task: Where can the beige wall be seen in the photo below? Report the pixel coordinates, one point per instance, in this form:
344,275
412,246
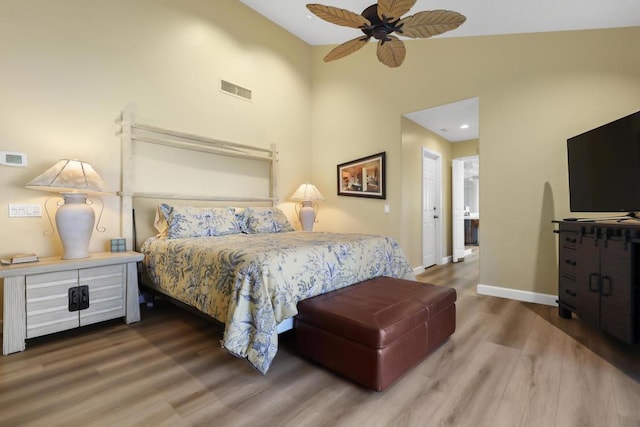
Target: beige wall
465,148
70,66
535,91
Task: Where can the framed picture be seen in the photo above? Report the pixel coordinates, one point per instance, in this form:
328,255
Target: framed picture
363,177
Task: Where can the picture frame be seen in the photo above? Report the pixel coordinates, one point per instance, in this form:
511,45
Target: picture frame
364,177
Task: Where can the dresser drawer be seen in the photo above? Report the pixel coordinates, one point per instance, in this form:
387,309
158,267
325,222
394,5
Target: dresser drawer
567,263
569,240
567,293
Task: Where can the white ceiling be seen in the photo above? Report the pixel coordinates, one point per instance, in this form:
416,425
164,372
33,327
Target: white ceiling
483,18
446,120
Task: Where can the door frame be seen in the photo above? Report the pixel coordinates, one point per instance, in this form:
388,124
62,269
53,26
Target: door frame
453,195
440,250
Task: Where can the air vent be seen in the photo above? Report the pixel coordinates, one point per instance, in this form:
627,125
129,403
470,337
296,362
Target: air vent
235,90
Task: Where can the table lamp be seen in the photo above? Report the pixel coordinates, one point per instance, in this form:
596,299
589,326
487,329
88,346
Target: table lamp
307,214
74,180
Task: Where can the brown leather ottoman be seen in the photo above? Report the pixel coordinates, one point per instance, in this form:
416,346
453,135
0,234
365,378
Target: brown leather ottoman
374,331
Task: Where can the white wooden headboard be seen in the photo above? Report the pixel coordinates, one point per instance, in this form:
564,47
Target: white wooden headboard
214,165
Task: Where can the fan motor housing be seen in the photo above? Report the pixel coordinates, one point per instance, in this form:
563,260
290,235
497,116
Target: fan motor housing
379,29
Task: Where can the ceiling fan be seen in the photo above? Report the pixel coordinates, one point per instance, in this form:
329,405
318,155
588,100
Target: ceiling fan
380,21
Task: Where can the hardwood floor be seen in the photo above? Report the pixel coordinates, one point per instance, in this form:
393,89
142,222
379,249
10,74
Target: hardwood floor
508,364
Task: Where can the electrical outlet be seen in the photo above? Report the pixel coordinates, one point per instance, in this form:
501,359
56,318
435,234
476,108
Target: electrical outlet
22,211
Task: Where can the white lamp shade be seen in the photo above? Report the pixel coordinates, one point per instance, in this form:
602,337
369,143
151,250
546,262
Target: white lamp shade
69,176
307,192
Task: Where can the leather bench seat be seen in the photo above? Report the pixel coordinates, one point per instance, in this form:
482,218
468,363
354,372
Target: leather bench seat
375,331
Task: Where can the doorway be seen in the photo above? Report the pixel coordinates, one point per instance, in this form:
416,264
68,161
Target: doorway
452,130
466,207
432,242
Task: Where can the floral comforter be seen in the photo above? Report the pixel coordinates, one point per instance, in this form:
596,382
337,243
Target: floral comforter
251,282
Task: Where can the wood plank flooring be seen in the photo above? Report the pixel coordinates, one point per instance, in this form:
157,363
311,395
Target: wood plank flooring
508,364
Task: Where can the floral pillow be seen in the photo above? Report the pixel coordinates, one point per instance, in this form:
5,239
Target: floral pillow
194,221
265,220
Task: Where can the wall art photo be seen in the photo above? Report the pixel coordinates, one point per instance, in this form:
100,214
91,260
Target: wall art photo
363,177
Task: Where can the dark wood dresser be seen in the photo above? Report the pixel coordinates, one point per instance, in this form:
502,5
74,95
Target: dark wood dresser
599,275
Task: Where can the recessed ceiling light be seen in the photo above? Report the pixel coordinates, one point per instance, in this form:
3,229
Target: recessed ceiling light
464,126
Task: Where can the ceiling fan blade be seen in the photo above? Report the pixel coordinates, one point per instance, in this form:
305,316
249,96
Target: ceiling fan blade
394,9
430,23
391,53
346,48
339,16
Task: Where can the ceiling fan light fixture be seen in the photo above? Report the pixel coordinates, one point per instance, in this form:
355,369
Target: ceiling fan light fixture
382,19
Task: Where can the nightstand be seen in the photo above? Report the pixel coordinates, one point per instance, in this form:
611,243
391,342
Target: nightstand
54,295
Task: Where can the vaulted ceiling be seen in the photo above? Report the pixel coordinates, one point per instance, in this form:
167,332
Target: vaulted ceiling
483,18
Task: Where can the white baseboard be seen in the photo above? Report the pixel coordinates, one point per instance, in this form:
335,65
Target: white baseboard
445,260
517,295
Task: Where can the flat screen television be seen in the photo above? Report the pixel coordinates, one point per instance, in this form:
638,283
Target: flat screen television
604,167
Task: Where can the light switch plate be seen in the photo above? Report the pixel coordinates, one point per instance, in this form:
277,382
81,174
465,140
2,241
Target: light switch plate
22,211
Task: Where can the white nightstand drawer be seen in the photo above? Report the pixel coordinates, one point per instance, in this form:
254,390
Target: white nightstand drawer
41,286
48,302
44,324
106,293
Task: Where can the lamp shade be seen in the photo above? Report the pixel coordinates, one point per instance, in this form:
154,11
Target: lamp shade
69,176
307,192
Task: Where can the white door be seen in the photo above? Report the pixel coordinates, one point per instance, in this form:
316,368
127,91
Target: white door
457,190
430,212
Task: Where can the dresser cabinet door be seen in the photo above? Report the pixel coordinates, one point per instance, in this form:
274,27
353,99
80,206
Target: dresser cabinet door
106,293
48,302
616,302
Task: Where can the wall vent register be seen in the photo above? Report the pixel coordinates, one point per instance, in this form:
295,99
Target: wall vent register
234,89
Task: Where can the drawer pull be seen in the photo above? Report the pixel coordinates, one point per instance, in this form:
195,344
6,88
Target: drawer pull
79,298
570,262
595,288
570,293
606,286
570,240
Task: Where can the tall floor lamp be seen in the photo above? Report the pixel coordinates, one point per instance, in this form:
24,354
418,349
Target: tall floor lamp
308,194
74,180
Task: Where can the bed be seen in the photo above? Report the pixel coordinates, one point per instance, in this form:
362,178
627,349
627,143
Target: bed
235,260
